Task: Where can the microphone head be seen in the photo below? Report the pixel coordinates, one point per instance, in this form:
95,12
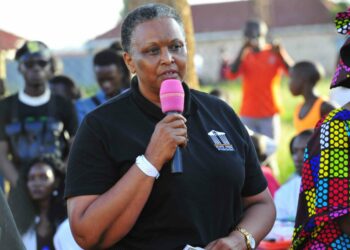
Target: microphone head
172,96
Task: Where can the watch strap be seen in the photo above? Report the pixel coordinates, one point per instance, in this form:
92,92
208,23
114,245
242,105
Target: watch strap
246,235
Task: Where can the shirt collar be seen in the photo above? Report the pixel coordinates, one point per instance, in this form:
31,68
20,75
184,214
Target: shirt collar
34,100
153,110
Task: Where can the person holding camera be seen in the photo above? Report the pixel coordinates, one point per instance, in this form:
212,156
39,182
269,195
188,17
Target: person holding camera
261,66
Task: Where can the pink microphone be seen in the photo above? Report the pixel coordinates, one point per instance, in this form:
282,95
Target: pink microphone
172,98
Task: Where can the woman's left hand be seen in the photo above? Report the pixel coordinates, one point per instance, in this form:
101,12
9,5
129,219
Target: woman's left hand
232,242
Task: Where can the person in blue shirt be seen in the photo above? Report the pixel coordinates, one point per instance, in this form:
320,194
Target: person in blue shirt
113,77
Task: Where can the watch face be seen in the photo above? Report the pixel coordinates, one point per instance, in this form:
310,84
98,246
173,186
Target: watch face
251,241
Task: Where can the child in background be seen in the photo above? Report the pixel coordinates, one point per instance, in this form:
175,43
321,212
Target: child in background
65,86
303,79
219,93
286,197
264,147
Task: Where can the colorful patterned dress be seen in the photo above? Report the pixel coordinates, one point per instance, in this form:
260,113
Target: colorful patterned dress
325,188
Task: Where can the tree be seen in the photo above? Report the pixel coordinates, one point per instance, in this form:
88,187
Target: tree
184,10
337,6
262,10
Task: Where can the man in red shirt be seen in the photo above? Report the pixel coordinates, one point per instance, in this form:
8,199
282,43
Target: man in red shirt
261,66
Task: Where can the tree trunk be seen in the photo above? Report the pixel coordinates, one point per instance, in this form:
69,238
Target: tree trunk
184,10
262,10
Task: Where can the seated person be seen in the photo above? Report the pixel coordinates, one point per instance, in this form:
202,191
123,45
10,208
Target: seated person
44,184
286,197
264,147
219,93
65,86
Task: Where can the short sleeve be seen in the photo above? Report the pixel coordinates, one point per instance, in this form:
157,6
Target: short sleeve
90,170
255,181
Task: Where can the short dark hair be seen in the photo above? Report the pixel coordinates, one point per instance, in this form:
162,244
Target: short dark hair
256,139
55,163
69,83
305,133
142,14
110,57
66,80
216,92
106,57
116,46
258,23
311,71
57,210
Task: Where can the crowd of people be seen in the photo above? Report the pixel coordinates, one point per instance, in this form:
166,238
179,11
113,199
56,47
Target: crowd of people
95,173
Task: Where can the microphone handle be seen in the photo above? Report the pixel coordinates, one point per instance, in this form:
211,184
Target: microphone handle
176,164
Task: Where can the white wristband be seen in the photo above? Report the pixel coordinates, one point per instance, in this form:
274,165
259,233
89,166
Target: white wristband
146,167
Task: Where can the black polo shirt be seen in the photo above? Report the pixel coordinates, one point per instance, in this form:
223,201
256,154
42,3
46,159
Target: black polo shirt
200,205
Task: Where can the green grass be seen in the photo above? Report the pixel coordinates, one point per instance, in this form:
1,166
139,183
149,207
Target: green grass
285,163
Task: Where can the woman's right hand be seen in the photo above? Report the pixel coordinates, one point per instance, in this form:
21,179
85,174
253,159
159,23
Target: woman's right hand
168,134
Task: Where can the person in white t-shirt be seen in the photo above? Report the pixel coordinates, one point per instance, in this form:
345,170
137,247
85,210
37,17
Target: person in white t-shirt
63,239
286,197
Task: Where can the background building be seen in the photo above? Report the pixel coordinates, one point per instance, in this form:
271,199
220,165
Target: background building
304,28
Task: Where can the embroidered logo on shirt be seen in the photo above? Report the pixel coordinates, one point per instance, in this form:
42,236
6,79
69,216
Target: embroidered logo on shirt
220,141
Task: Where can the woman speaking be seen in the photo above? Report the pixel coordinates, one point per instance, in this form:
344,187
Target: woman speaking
120,188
